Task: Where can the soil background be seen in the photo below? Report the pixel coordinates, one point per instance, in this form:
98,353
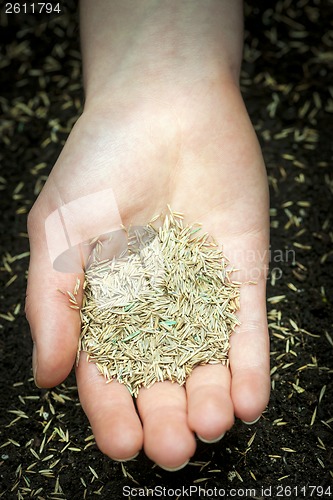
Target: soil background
46,447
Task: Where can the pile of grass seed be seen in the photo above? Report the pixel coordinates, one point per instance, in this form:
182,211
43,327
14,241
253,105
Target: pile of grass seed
161,308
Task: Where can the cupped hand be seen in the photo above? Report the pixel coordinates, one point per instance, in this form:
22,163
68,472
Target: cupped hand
121,165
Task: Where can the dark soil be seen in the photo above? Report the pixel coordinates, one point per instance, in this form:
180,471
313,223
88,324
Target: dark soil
46,448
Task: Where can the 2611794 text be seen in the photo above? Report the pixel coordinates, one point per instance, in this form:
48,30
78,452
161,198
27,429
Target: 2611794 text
32,8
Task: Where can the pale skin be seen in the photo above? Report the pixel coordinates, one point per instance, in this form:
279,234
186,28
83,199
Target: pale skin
163,123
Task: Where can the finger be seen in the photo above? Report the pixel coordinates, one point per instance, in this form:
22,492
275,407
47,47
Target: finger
249,355
210,408
55,326
111,412
168,441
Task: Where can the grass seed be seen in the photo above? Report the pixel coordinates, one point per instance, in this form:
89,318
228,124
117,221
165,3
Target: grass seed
164,306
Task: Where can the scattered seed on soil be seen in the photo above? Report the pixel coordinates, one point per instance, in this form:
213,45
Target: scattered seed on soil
164,306
278,70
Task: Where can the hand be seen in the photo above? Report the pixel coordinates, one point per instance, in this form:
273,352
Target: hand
200,155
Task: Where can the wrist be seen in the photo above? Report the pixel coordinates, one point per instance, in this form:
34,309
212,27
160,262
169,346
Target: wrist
159,48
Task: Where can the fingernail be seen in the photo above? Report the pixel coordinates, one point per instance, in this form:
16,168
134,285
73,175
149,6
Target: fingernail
34,364
174,469
253,421
126,459
210,441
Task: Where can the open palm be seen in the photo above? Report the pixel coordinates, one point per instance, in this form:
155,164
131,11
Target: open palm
205,163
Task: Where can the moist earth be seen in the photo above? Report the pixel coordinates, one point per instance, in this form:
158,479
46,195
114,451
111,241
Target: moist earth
47,450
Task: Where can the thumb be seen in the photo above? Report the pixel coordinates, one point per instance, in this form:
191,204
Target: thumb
55,326
59,249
